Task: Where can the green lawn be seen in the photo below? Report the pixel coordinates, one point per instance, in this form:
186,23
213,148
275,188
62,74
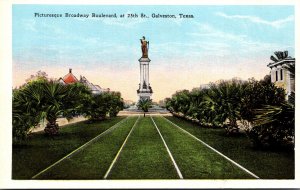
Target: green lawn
93,161
41,151
195,160
265,164
144,156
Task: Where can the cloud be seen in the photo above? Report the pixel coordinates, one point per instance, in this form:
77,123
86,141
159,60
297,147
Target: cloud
254,19
221,43
205,30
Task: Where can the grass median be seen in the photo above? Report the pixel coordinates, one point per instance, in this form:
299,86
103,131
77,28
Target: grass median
93,161
265,164
195,160
144,156
41,151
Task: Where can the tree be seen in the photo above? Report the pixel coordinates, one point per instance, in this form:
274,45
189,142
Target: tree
144,104
42,99
179,103
280,55
102,105
196,107
98,107
24,117
116,104
223,101
40,75
79,97
258,94
273,118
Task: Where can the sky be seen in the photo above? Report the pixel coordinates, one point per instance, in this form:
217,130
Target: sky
220,42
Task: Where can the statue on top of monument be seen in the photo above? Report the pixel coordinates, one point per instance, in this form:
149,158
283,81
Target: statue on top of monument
145,47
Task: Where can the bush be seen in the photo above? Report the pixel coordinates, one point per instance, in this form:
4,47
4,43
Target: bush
102,105
226,102
275,127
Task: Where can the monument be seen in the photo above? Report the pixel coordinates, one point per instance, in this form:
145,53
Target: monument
145,90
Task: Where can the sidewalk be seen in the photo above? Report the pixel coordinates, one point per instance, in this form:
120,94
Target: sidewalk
126,113
60,121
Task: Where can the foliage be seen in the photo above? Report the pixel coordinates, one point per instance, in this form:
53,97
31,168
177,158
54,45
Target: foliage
22,116
227,102
224,103
179,102
43,99
274,126
144,104
40,75
280,55
273,118
38,100
79,96
258,94
102,105
116,104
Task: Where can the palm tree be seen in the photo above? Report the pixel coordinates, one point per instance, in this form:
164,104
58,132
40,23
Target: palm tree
43,99
52,104
280,55
24,117
223,101
275,123
144,104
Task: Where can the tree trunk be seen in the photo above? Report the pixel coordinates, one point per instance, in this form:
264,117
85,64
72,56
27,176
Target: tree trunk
51,127
233,128
144,114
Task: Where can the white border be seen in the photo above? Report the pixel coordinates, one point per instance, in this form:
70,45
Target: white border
6,118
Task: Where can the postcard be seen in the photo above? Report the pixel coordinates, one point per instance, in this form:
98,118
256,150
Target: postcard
150,95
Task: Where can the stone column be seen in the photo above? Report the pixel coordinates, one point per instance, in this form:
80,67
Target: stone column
144,78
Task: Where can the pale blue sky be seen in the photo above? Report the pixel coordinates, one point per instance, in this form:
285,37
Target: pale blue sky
220,42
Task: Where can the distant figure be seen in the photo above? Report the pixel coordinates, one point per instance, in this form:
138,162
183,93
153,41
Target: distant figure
145,47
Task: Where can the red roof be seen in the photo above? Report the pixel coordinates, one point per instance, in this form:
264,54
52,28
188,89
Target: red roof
70,78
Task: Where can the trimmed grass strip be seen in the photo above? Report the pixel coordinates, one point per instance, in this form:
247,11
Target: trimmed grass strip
115,159
267,164
224,156
144,156
40,151
81,147
195,160
93,161
169,152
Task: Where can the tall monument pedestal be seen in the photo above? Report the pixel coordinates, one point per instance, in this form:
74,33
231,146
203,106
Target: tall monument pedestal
145,90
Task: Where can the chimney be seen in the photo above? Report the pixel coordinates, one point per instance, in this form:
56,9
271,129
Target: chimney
70,70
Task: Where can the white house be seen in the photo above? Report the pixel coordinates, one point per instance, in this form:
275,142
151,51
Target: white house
281,76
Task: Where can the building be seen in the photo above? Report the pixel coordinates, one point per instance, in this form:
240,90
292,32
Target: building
204,86
280,75
70,79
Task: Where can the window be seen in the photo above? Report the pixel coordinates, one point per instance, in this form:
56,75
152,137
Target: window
276,75
281,74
